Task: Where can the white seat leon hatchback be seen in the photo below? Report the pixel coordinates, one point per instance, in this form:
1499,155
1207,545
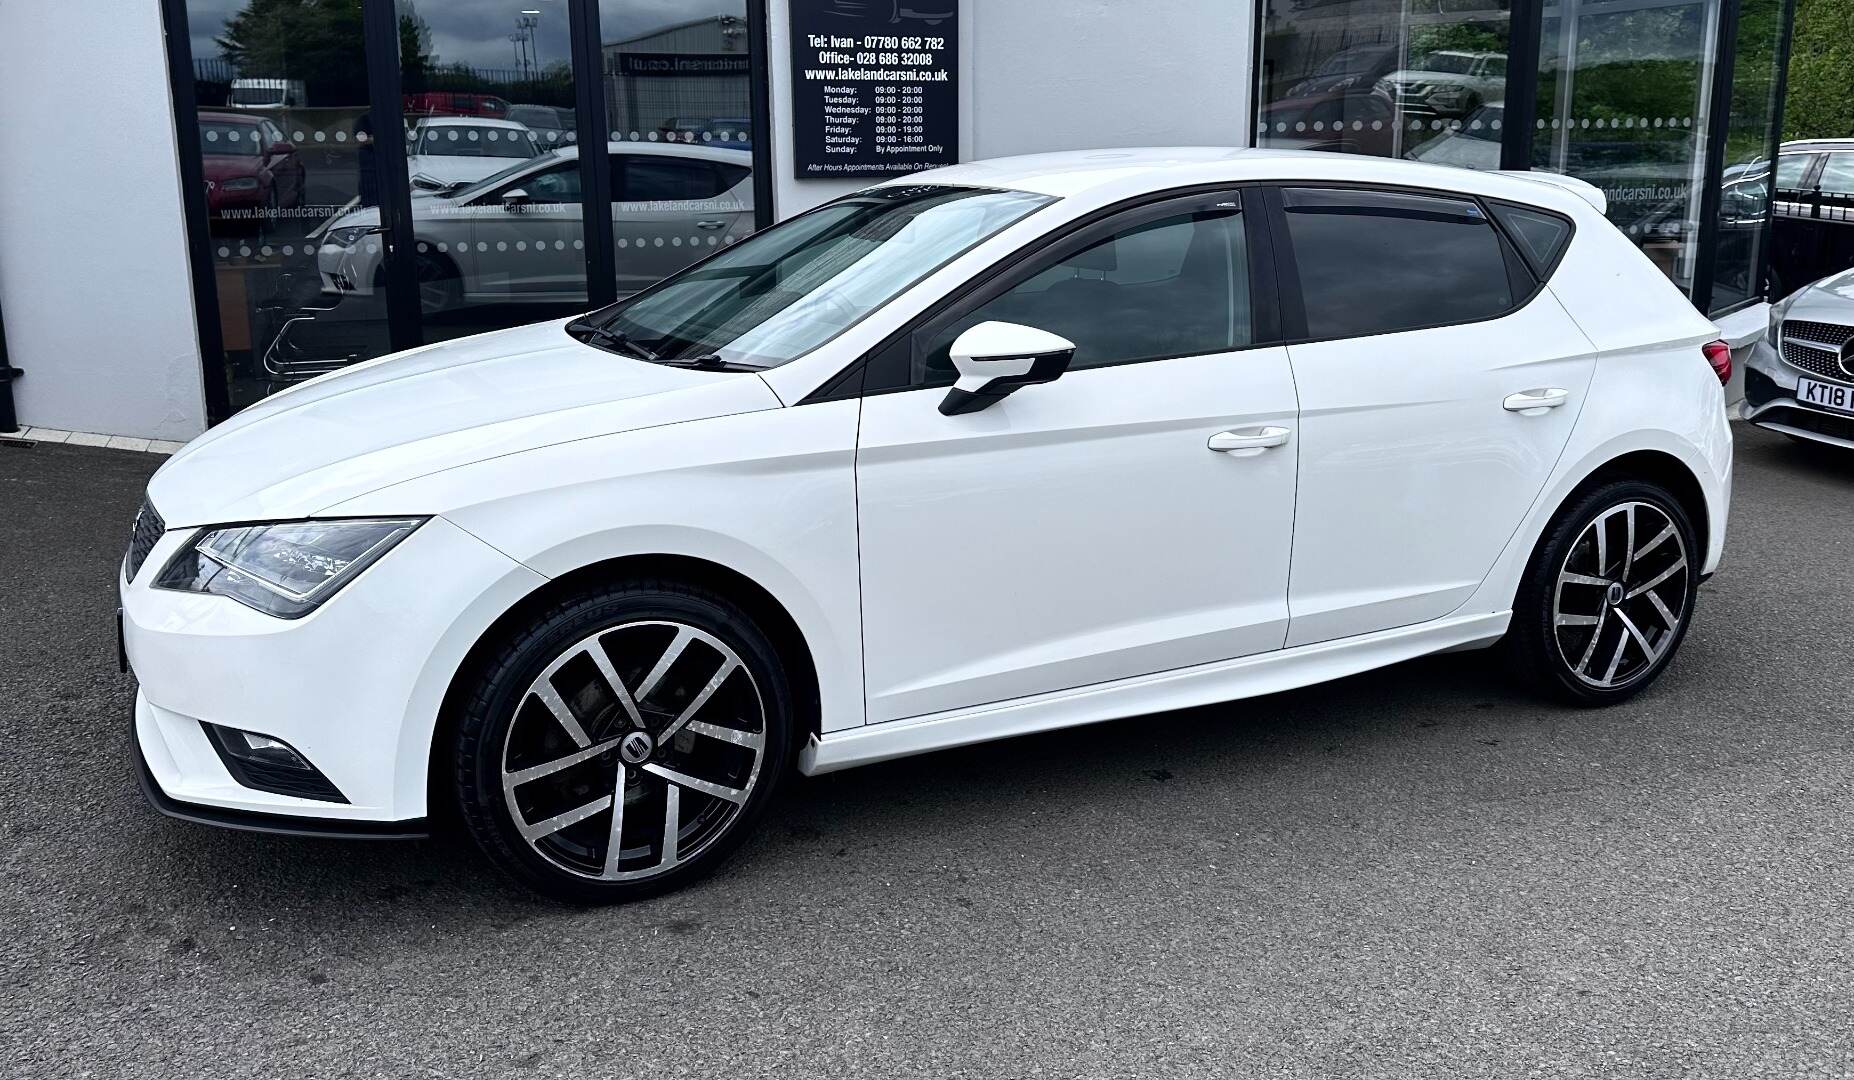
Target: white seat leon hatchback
988,450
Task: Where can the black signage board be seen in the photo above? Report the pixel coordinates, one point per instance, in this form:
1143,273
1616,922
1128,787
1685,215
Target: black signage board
875,87
685,65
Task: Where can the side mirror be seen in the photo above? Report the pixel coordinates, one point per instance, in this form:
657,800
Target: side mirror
278,149
427,182
995,358
514,199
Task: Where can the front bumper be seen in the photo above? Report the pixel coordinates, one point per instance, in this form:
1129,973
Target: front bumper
355,686
248,821
1770,401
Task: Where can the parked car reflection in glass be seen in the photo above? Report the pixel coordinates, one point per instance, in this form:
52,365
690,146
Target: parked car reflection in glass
1472,144
517,236
449,149
248,163
1445,83
1357,68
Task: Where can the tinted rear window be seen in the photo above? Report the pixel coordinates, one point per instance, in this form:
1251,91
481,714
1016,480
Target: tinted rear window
1373,262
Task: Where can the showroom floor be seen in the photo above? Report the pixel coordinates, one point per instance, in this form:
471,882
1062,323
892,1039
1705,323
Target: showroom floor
1411,873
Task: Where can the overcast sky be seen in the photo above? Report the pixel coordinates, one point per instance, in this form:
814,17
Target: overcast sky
476,32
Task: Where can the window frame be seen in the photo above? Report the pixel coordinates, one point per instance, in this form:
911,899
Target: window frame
1055,254
623,160
1827,159
888,367
1287,269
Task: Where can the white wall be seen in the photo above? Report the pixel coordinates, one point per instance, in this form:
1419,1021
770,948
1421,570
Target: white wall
1040,75
94,281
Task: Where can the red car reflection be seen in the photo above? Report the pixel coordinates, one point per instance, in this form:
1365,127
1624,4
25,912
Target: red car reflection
249,163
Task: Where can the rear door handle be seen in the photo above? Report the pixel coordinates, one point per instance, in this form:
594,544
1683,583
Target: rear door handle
711,224
1535,402
1247,442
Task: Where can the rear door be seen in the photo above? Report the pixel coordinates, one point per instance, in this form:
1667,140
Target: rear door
669,210
1438,383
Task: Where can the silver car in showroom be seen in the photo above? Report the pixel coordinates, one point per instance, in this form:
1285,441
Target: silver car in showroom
1800,377
517,236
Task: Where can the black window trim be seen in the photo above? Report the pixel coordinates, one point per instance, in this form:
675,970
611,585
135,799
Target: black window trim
1287,272
621,178
893,353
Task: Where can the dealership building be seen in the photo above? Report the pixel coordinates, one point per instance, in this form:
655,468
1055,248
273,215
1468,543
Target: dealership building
203,202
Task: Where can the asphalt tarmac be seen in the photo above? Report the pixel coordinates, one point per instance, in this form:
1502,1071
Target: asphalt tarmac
1415,872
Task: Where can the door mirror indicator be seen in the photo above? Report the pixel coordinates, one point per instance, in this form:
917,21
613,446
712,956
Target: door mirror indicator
995,358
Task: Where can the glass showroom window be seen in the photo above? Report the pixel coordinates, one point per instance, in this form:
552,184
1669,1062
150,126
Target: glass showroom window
1424,81
1744,198
286,148
498,218
305,225
1623,99
678,99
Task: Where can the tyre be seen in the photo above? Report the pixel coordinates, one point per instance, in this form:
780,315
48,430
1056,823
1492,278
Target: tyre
1608,595
624,743
439,287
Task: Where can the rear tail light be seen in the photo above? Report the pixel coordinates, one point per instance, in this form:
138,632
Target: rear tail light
1719,355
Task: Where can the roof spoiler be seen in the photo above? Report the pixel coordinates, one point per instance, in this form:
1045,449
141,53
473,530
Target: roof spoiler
1585,191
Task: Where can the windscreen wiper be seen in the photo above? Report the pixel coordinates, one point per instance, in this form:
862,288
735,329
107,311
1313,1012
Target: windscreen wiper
708,362
594,334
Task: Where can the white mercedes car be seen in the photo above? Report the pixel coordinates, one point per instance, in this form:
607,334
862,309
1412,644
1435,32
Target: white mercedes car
992,449
1800,377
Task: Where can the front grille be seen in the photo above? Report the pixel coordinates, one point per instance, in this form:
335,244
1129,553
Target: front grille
147,529
1815,347
1813,361
1831,335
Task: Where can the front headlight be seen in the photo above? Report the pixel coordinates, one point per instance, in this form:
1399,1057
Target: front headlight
287,568
347,235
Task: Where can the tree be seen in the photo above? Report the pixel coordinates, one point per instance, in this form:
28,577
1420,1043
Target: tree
320,42
1820,99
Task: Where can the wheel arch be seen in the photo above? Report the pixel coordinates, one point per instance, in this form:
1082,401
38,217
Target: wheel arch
1651,456
758,602
1657,467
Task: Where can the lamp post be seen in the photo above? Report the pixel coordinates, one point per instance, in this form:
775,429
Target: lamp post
525,26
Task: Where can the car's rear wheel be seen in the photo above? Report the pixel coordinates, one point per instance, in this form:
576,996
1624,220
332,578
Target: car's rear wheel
1608,595
625,743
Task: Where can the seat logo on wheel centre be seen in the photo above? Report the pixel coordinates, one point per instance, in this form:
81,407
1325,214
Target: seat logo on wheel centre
636,748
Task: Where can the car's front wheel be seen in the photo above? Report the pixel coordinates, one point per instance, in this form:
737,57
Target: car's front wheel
1608,595
624,743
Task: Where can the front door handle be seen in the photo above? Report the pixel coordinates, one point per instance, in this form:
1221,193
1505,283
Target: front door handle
711,224
1247,442
1535,402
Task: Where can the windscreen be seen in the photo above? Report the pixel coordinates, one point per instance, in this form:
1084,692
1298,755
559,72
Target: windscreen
789,289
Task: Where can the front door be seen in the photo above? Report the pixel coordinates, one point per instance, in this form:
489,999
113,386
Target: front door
531,249
1084,530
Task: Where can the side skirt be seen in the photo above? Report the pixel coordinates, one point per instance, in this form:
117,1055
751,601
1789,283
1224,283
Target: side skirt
1184,688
